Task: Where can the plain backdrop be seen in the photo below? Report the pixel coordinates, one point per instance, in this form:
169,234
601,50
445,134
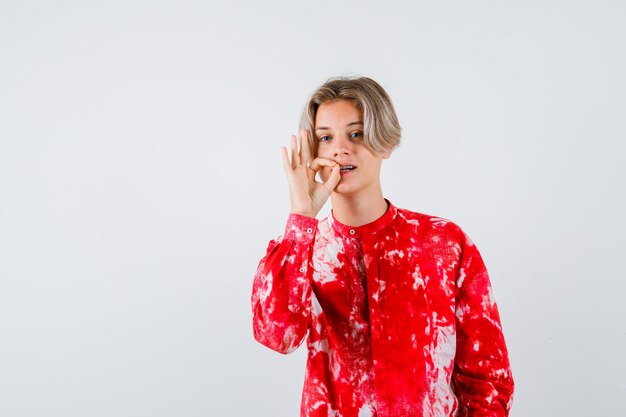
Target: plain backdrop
141,181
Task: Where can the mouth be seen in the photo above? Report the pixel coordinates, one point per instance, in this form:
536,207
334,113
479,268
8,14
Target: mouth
347,168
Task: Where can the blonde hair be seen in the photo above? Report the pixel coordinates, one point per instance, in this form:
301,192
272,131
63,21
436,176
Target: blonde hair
380,123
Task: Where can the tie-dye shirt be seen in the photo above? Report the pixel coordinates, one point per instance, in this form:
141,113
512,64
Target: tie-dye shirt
398,314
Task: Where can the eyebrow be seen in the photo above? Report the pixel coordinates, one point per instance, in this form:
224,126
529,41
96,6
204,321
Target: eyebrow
349,124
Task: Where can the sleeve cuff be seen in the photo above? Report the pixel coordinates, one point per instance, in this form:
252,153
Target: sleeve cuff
301,228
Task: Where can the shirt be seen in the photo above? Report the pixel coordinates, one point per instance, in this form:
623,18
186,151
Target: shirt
398,315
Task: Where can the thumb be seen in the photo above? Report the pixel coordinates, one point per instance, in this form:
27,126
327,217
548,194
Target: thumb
334,178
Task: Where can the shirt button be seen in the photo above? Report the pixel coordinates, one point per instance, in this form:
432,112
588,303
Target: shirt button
302,269
309,230
352,231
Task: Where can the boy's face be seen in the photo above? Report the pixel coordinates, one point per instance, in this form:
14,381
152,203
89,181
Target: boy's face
339,136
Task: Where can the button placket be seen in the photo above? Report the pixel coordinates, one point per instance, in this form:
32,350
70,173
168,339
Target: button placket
370,265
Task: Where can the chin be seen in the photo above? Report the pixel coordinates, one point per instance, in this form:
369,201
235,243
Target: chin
345,190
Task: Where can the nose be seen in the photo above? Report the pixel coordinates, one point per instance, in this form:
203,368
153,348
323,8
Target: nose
341,146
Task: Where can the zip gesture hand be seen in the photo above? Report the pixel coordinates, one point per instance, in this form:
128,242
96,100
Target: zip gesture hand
307,195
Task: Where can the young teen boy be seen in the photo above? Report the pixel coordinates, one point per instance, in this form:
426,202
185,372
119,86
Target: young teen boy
396,305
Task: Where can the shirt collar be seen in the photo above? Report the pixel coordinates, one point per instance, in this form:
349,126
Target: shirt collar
366,229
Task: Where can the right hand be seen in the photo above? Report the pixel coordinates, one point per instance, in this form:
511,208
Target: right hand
307,195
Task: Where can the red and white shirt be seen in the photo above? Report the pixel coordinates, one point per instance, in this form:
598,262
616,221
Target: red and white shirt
398,315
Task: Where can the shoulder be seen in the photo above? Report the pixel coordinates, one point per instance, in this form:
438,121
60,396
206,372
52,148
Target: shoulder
434,231
440,236
431,223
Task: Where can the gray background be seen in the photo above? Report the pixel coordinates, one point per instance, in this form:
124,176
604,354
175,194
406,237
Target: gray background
141,180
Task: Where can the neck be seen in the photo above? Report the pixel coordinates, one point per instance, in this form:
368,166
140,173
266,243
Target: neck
357,210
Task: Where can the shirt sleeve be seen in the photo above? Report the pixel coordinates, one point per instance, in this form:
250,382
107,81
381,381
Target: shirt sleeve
482,374
281,290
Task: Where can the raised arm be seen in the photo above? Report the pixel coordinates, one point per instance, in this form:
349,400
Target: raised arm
281,291
482,374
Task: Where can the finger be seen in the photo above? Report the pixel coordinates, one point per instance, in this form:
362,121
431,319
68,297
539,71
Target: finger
304,147
334,178
320,162
286,164
295,158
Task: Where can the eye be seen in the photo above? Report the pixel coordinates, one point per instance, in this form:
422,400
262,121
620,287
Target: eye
355,135
324,138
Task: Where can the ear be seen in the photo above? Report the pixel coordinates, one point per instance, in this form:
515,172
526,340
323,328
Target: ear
386,154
